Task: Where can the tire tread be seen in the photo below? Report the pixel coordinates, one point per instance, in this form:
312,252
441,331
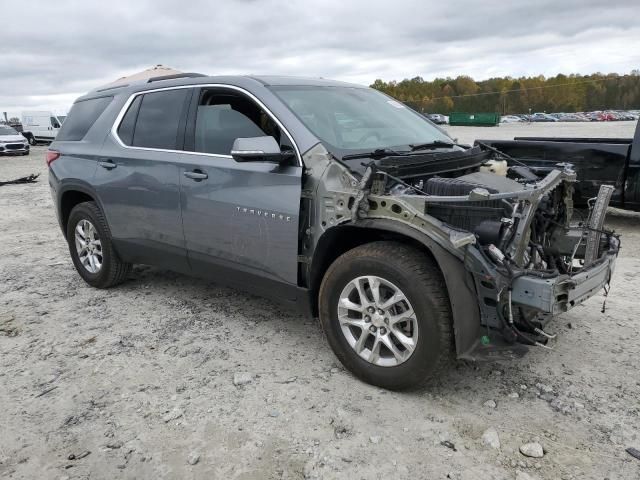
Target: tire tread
420,267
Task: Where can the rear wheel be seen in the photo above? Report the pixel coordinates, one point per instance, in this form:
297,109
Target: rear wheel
386,314
91,248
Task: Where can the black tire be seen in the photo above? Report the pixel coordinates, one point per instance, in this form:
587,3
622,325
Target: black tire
25,153
113,270
32,140
417,275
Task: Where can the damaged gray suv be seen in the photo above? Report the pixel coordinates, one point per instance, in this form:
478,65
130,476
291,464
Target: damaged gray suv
335,198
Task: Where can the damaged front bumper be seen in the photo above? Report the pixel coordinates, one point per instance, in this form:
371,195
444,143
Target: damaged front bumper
560,294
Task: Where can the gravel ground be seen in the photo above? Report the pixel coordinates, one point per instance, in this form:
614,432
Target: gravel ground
170,377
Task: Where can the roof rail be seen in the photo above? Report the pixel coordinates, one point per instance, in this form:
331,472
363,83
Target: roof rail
175,75
112,87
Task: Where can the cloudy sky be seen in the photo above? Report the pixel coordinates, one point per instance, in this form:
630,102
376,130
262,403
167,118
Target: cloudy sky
61,49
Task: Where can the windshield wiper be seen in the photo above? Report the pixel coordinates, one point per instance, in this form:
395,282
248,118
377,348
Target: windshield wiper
432,145
377,153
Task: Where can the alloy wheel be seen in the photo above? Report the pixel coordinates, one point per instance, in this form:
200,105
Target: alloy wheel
88,246
378,321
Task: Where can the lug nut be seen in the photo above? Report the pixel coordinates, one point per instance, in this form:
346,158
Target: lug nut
367,318
386,320
380,312
371,309
372,329
383,331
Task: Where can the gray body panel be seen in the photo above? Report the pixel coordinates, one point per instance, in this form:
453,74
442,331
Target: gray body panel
244,216
141,200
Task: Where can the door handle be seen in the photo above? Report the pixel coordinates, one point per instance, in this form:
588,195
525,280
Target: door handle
108,164
196,175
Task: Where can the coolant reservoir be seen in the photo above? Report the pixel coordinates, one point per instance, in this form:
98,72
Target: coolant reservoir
499,167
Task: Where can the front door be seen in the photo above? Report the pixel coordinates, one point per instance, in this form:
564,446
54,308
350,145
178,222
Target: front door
240,219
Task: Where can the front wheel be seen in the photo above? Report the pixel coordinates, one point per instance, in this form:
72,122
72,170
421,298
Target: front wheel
32,140
385,310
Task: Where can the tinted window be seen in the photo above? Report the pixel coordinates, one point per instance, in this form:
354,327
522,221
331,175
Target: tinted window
54,122
125,130
223,116
158,119
81,117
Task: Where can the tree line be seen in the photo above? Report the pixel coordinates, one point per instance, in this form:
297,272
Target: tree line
507,95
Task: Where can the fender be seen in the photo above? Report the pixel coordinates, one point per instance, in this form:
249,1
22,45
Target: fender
459,282
69,185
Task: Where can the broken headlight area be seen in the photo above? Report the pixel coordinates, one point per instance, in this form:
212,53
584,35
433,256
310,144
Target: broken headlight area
531,255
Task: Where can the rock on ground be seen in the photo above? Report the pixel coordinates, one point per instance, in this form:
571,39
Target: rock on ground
533,449
490,437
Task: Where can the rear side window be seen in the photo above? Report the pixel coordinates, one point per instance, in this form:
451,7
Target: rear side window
157,122
81,117
125,130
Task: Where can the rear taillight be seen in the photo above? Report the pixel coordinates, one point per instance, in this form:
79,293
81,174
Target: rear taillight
51,156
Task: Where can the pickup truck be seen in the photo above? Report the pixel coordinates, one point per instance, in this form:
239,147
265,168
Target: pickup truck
596,161
335,198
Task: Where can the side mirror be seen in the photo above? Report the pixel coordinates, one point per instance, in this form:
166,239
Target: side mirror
258,149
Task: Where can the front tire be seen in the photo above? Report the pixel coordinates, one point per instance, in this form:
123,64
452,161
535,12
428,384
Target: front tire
32,140
385,310
91,247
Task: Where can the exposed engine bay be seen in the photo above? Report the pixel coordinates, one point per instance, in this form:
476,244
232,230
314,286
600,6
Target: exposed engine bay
530,255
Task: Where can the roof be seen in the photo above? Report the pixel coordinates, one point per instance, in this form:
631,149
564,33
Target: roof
140,81
306,81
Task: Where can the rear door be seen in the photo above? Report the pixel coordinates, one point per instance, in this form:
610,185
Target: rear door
138,179
240,219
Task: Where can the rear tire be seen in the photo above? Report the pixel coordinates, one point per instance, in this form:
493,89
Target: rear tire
411,352
91,247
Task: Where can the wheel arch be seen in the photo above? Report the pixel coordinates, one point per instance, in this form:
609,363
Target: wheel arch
464,303
71,195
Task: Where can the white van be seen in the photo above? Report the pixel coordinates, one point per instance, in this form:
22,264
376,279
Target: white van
40,126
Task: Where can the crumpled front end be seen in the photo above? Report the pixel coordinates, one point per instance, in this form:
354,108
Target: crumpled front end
529,254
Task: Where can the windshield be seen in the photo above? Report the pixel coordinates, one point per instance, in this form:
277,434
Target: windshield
349,119
61,118
4,130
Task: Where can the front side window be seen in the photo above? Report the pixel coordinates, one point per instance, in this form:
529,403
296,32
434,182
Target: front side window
153,119
348,119
54,122
224,115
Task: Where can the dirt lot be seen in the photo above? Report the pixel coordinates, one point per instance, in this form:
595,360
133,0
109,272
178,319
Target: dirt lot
138,381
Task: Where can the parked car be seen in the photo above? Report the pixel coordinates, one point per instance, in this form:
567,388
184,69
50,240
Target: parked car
510,119
12,142
612,161
410,249
437,118
542,117
569,117
40,126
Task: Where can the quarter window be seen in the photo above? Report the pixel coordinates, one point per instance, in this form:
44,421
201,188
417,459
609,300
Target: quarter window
80,119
